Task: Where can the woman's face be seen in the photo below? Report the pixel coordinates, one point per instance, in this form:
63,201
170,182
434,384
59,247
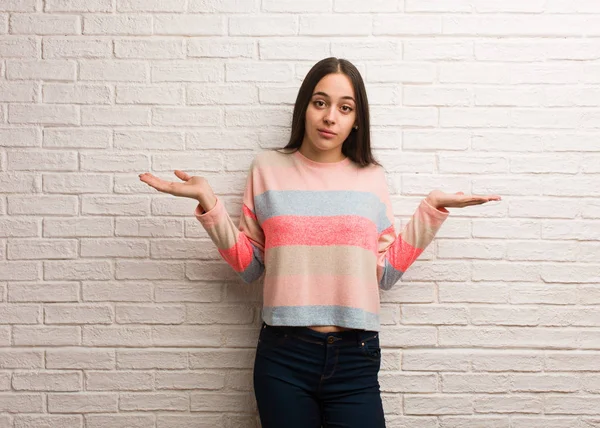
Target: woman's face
330,115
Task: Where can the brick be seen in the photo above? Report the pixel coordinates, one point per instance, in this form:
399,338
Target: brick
77,48
116,70
127,25
162,314
115,205
119,421
46,292
166,401
115,336
47,381
224,6
118,381
265,25
15,182
186,116
46,336
19,47
21,403
295,49
334,25
18,6
187,71
406,25
21,359
425,50
77,183
152,359
111,291
77,138
230,402
381,50
48,421
163,94
83,403
59,93
77,270
297,7
20,137
22,228
149,227
184,335
189,25
149,270
112,162
114,248
79,5
17,92
189,380
20,314
213,47
43,205
40,249
409,73
45,24
40,114
78,227
149,140
151,6
80,358
149,49
40,70
42,160
78,314
354,6
115,115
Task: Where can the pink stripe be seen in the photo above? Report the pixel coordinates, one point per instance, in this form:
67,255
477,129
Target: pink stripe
248,213
401,254
319,231
297,290
285,176
239,256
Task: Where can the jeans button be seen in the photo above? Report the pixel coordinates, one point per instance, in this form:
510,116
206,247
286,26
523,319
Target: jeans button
330,339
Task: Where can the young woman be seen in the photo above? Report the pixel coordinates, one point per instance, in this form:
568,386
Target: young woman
317,221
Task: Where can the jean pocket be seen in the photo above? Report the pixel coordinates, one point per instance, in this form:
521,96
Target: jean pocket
271,337
370,348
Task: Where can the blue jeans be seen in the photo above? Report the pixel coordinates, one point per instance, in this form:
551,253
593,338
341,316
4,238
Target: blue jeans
307,379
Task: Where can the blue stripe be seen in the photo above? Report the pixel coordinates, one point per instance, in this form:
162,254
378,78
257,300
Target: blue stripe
255,268
321,203
390,276
326,315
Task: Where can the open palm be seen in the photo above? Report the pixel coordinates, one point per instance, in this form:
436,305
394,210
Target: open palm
192,187
459,199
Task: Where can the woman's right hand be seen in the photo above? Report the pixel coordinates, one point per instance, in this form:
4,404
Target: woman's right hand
194,187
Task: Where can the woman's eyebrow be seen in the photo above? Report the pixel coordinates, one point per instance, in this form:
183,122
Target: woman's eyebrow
325,95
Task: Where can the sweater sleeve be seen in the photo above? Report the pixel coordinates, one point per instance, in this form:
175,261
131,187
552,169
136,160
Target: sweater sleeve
398,252
241,247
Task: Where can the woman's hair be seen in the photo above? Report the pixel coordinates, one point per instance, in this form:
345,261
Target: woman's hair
357,146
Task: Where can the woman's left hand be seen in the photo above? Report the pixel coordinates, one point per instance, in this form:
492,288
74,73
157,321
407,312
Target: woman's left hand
439,199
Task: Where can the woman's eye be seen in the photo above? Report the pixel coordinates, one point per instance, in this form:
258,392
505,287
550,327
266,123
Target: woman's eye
348,109
319,103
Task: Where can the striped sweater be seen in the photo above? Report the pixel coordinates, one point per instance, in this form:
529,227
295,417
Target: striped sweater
323,235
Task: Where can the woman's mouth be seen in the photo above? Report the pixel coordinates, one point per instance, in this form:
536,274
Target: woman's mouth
326,134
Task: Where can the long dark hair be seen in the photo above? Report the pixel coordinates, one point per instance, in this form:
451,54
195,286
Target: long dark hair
357,146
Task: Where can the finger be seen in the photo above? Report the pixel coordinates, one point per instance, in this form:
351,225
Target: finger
157,183
182,175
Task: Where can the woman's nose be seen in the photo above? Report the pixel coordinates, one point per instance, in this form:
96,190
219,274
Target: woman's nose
330,116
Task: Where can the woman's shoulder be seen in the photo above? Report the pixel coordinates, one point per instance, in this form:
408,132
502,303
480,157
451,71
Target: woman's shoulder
272,158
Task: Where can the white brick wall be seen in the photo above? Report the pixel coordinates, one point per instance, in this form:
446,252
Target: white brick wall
115,308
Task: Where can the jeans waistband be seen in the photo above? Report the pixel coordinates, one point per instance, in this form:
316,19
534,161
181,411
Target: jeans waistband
337,337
